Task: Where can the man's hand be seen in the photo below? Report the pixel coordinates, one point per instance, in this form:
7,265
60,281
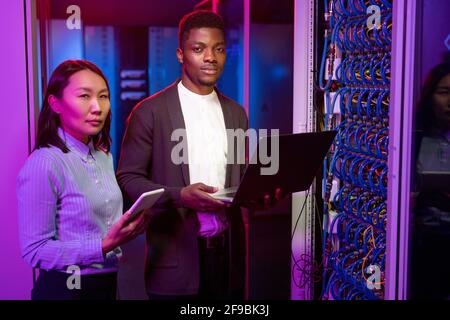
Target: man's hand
196,196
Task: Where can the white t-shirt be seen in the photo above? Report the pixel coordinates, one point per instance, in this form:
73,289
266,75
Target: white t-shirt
207,149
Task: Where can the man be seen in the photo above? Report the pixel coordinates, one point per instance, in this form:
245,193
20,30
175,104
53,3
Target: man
191,235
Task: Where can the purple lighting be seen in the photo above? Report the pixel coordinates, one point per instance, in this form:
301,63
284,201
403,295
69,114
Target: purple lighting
15,275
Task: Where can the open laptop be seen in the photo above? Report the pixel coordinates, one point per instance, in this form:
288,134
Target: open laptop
300,157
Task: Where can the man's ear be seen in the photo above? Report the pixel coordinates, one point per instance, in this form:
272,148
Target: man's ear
180,55
54,104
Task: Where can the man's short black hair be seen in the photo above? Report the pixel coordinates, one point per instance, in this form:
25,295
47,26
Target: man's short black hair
198,19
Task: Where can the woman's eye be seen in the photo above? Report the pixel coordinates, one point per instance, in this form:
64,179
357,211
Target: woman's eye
84,96
104,96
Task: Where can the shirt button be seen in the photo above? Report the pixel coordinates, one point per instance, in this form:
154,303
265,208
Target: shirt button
107,200
96,181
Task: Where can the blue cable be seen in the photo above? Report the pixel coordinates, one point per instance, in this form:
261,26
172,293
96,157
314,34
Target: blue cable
361,146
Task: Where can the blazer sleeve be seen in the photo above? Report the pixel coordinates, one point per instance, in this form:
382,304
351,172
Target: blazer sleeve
135,160
243,123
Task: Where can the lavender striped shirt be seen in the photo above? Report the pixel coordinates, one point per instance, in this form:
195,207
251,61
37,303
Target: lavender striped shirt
67,204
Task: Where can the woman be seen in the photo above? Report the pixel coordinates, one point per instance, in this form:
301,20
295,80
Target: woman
430,278
70,206
434,122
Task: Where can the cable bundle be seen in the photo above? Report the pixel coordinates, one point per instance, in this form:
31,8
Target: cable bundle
355,238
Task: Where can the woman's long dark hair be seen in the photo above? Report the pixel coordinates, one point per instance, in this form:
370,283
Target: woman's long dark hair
426,120
49,122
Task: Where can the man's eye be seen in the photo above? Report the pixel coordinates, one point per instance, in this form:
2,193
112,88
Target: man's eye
104,96
197,50
84,96
221,50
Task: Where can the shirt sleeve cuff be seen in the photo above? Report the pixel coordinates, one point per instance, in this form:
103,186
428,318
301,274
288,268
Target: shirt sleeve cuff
175,195
93,252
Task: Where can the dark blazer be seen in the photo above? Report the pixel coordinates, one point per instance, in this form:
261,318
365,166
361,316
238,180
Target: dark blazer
172,258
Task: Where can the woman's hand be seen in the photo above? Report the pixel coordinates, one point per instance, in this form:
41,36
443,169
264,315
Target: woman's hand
125,230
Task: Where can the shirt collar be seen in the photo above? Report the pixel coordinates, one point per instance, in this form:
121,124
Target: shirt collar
82,150
194,95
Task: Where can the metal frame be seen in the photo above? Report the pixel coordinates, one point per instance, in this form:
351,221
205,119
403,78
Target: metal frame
400,147
303,121
246,66
31,45
31,27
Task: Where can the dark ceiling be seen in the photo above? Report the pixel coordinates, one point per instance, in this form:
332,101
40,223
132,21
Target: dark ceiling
134,12
272,11
167,12
125,12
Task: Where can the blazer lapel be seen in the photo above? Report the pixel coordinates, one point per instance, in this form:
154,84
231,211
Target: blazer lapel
177,120
229,124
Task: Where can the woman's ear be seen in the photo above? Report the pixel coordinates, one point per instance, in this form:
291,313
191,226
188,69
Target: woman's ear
54,104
